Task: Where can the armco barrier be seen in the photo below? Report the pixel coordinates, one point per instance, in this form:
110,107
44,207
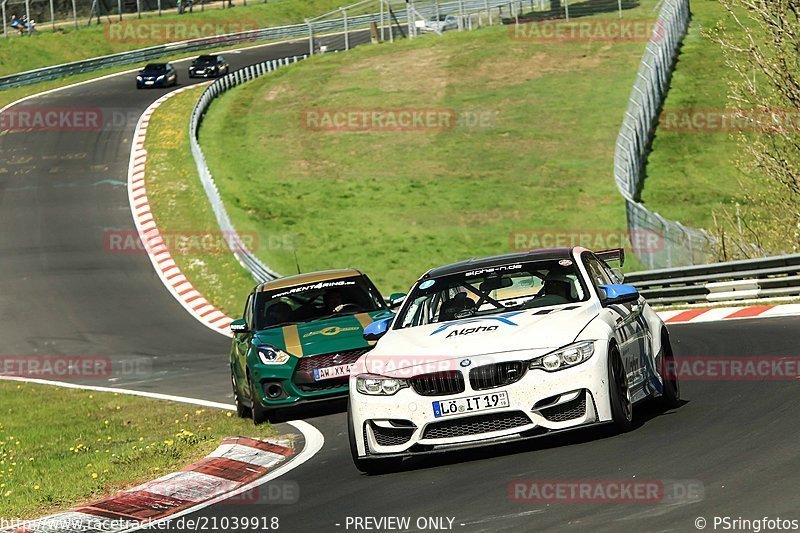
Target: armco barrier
248,260
767,278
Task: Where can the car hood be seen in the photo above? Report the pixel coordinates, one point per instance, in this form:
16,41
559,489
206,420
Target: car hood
321,336
537,331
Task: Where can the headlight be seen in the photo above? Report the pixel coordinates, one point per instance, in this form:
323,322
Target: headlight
379,386
272,356
571,355
160,77
139,78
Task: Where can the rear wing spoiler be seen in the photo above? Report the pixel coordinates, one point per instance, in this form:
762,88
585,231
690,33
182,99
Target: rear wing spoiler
615,254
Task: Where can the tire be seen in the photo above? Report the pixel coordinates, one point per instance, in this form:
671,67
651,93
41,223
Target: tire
369,466
241,410
671,397
619,394
258,413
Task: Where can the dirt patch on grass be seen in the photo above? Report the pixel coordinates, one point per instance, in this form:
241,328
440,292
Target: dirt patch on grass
511,69
409,71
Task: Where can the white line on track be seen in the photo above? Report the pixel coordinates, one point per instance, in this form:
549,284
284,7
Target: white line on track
312,436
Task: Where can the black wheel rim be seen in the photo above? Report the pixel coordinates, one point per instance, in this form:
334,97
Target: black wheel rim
621,384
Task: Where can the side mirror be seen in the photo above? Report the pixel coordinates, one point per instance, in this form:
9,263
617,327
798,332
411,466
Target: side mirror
396,299
239,326
619,294
377,329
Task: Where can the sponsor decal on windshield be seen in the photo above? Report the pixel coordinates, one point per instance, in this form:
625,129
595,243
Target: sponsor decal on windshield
491,270
318,285
503,319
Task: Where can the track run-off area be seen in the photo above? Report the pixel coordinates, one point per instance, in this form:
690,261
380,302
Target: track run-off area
63,293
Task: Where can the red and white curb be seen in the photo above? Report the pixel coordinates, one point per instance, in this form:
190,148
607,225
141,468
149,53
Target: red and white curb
157,250
714,314
238,464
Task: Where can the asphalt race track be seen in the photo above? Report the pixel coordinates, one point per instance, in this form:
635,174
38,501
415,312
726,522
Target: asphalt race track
63,293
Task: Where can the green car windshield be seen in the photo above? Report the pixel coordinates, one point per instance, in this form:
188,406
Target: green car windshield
493,290
315,301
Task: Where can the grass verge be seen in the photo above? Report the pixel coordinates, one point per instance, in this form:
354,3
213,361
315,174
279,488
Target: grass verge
62,447
182,211
396,203
693,174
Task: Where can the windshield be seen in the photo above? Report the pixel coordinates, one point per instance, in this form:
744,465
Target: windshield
156,67
314,301
493,290
206,59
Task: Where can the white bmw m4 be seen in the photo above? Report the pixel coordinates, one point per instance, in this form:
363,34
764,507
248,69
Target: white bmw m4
504,348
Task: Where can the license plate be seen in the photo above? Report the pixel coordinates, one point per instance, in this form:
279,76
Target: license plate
471,404
149,82
330,372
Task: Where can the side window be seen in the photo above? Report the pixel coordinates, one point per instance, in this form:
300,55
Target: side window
248,310
596,271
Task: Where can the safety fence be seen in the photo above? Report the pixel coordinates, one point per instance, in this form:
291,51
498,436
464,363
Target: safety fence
682,245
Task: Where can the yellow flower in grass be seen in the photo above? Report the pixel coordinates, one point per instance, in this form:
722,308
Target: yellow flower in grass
36,487
94,475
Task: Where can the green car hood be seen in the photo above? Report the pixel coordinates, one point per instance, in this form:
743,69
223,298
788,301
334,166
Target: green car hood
321,336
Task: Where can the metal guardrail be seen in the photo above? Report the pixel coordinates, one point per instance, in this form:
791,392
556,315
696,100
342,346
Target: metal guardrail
682,245
770,277
246,258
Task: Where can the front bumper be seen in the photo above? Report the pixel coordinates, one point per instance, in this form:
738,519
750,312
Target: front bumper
202,73
296,382
539,403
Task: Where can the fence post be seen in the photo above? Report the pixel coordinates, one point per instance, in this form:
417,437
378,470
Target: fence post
486,5
52,16
138,8
383,38
28,13
619,7
566,9
159,8
74,13
310,38
346,34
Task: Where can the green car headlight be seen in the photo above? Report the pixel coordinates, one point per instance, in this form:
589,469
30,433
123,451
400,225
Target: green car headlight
565,357
272,356
378,385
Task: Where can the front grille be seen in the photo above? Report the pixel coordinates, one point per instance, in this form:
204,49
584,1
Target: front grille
496,375
566,411
391,436
438,383
306,365
320,386
475,425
